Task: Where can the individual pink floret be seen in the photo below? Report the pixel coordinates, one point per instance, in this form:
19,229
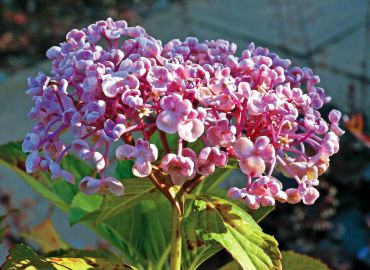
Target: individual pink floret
209,158
143,153
175,110
109,185
253,156
222,133
180,168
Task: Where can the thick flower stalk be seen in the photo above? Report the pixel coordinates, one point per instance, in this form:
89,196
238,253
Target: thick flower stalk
113,87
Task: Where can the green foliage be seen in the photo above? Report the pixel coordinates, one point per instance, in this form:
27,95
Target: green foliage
124,169
136,190
141,233
82,205
22,257
290,261
138,224
215,220
295,261
233,265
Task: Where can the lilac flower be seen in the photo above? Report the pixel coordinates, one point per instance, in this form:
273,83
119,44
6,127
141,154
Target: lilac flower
180,168
132,98
253,107
175,111
112,131
192,128
57,172
30,142
208,159
253,156
143,153
32,162
334,118
112,86
221,133
159,78
94,110
308,193
109,185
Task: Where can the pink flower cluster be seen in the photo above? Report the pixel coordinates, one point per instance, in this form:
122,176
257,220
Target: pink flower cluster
114,85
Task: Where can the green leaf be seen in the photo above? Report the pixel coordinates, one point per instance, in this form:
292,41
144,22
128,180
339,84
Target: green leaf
82,205
216,220
233,265
142,233
295,261
259,214
122,228
195,250
12,153
64,190
22,257
212,182
124,169
136,191
46,236
77,167
196,146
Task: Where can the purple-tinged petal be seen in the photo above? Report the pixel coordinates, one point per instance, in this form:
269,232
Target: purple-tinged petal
253,166
126,151
112,86
113,186
32,162
89,185
141,168
191,131
99,161
168,122
243,147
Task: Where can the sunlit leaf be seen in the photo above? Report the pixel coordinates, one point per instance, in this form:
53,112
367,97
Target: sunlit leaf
142,233
22,257
136,191
295,261
233,265
216,220
82,205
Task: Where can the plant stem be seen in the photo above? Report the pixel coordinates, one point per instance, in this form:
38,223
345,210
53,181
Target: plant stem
163,137
176,241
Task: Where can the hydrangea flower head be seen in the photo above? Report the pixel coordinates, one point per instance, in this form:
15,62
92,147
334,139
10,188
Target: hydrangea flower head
115,86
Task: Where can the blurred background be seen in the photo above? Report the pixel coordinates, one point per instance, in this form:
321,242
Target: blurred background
331,36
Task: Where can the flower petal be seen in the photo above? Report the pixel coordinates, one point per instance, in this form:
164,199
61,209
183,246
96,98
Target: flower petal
253,166
192,130
168,122
141,168
125,151
243,147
